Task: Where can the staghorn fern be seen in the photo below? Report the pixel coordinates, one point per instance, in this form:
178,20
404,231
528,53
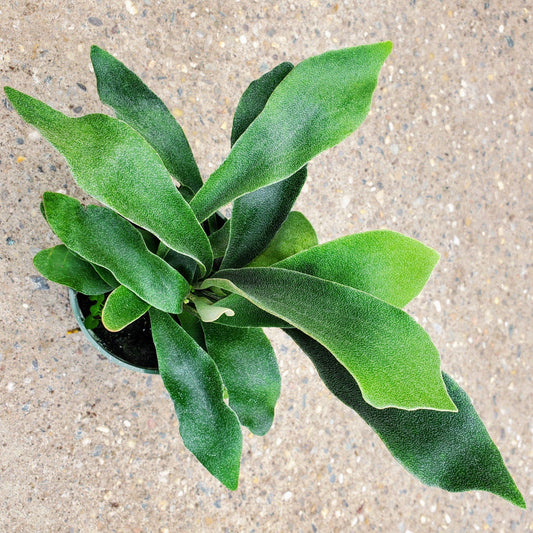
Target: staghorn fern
210,284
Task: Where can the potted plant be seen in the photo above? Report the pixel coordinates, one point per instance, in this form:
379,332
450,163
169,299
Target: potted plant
156,249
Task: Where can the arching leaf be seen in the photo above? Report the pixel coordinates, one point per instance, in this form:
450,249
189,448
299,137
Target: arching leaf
317,105
391,357
450,450
121,308
138,106
208,427
249,370
60,265
113,163
104,238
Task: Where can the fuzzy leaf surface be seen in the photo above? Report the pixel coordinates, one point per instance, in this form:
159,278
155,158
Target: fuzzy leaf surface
186,266
121,308
106,276
295,235
452,451
113,163
255,97
60,265
219,240
249,370
208,427
258,215
388,353
317,105
138,106
104,238
192,326
386,264
247,315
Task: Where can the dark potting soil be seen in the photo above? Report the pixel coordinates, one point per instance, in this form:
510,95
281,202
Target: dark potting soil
132,344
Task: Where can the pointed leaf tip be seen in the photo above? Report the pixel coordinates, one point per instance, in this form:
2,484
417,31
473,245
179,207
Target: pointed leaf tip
452,451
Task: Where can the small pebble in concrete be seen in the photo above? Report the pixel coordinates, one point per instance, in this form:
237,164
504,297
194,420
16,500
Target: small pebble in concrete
41,283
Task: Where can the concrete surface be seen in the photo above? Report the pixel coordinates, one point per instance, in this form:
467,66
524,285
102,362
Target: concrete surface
445,156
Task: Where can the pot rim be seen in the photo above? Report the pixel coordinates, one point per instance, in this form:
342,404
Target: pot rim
94,340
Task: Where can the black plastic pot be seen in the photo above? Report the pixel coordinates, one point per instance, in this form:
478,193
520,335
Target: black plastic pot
131,347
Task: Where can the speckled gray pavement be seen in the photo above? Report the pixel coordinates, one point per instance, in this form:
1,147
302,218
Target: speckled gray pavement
444,156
